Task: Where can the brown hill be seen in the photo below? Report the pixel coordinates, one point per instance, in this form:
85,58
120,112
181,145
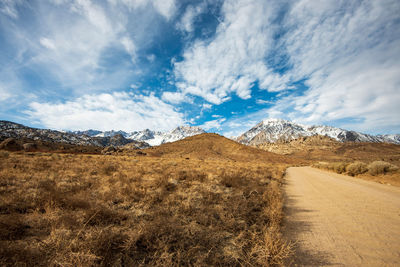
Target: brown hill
302,146
214,147
322,148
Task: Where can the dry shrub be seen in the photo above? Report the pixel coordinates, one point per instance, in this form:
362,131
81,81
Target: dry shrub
356,168
339,167
109,168
4,154
233,179
75,210
381,167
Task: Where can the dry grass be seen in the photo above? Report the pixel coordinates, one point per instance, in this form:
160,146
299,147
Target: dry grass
85,210
381,167
356,168
378,171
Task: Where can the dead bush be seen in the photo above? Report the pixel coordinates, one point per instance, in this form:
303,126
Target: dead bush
381,167
233,179
339,167
356,168
4,154
109,168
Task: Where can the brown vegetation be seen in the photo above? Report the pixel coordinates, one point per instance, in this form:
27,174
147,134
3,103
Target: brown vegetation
351,158
154,209
379,171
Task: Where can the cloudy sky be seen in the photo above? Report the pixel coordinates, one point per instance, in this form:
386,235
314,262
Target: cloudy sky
221,65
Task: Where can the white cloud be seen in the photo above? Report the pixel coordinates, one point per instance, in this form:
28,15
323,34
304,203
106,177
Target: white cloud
47,43
263,102
166,8
9,7
4,94
129,46
173,97
349,52
151,58
74,44
213,124
206,106
189,17
234,59
118,111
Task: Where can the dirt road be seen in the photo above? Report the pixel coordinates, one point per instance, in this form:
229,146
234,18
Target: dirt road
341,221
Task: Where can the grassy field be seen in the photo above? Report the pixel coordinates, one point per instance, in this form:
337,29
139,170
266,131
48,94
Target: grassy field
158,209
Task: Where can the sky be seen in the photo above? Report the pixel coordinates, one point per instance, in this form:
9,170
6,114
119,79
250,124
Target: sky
223,65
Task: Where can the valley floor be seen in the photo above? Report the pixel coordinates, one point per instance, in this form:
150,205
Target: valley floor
338,220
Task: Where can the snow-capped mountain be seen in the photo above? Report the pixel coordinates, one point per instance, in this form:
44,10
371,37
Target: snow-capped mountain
15,130
111,133
273,130
85,138
98,138
391,138
87,132
144,135
155,138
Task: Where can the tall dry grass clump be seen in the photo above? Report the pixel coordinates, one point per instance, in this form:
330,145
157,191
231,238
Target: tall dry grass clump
356,168
93,210
375,168
381,167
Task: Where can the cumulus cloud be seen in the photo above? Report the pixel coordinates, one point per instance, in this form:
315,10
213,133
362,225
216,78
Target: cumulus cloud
235,58
108,111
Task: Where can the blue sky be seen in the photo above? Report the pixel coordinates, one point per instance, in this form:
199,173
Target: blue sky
221,65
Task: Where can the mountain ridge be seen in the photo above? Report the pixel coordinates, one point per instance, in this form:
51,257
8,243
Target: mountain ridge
279,130
266,131
142,139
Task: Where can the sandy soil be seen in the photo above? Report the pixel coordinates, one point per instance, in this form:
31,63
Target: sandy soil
338,220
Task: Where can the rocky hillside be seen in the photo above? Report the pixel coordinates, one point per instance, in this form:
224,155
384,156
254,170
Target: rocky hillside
19,131
141,139
153,138
275,130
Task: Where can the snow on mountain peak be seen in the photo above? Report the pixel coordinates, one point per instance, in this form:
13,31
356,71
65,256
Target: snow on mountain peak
273,130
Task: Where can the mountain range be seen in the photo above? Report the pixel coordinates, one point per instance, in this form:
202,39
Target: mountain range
153,138
141,139
267,131
278,130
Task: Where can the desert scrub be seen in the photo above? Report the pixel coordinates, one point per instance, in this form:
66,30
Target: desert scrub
339,167
78,210
356,168
381,167
4,154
